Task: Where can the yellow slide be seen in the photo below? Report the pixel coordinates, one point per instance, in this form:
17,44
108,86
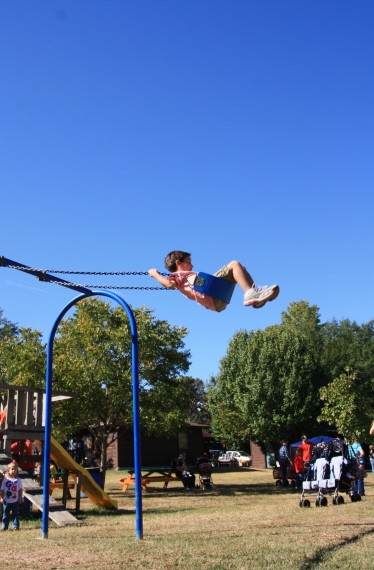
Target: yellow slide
93,491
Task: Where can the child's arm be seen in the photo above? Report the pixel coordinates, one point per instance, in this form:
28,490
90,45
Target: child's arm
161,279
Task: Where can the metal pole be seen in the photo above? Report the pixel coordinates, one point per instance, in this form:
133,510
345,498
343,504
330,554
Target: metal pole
48,414
136,414
136,411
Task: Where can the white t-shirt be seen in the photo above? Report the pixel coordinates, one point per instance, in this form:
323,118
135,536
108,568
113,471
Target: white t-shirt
11,487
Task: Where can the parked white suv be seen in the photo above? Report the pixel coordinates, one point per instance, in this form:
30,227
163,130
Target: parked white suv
241,458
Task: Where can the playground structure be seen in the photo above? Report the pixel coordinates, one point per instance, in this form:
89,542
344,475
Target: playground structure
24,419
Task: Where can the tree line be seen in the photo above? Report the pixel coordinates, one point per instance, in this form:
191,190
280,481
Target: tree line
301,375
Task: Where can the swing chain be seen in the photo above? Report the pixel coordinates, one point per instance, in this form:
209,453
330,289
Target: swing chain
108,286
118,273
66,272
62,272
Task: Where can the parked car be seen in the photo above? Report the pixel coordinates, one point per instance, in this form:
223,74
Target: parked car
240,458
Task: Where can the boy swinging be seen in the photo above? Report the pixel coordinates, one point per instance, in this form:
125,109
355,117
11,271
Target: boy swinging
182,278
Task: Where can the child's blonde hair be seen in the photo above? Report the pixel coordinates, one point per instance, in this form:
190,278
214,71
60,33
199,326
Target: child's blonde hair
11,464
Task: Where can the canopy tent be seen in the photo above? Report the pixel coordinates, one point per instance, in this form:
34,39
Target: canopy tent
314,440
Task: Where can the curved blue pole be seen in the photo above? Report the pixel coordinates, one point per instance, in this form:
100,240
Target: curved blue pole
136,414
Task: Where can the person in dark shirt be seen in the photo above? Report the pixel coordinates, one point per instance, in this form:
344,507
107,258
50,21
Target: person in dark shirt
284,460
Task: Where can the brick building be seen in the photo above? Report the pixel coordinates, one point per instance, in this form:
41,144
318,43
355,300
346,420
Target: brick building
159,451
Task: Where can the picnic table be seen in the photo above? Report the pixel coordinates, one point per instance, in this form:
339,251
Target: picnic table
150,475
66,480
61,481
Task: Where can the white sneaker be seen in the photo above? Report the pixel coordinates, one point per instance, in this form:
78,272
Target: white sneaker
258,305
256,297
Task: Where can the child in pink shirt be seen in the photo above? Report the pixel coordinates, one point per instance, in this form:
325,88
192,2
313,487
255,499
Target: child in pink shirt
182,278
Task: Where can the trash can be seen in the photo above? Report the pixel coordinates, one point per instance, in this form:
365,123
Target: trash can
95,474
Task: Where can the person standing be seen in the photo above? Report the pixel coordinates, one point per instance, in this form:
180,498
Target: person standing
356,452
284,460
371,457
306,448
298,465
11,494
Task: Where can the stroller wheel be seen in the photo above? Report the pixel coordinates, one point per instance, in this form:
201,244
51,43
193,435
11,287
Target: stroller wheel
324,502
278,483
304,503
355,497
340,500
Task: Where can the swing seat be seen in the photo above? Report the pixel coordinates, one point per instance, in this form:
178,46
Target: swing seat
214,286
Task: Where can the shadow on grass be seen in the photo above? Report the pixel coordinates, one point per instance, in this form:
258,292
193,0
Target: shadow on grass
221,489
100,512
255,489
323,554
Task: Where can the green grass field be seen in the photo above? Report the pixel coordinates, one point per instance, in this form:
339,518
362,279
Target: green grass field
246,522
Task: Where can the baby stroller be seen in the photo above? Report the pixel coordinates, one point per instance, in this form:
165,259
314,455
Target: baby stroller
205,475
329,472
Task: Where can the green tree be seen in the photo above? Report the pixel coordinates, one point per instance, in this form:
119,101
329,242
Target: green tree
268,382
227,393
8,334
7,328
22,355
348,403
198,411
93,362
348,345
25,357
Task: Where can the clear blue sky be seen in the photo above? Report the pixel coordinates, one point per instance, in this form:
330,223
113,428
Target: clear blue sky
232,129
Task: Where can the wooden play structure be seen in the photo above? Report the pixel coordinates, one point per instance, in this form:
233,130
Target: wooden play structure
21,419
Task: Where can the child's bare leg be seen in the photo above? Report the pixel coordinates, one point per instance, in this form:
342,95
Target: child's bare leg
241,275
